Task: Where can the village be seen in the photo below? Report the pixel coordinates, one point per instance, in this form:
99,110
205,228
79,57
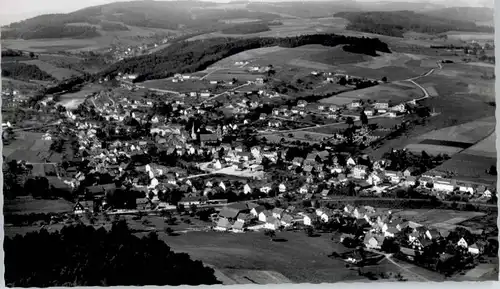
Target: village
129,150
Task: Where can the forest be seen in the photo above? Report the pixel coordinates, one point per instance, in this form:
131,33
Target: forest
23,71
188,57
82,255
397,23
110,26
247,28
11,53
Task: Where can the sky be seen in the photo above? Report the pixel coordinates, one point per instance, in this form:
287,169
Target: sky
15,10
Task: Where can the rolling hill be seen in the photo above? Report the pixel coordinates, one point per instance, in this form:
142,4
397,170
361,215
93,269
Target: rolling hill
119,16
482,15
398,22
191,56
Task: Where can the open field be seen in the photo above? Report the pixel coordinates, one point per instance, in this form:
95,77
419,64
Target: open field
487,222
433,149
59,57
72,100
107,38
254,277
470,132
290,28
469,167
484,148
28,205
432,217
23,141
56,72
389,92
183,87
300,258
469,36
228,74
431,90
454,139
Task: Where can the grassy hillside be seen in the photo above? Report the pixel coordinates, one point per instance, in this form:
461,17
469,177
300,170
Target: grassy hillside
397,23
191,56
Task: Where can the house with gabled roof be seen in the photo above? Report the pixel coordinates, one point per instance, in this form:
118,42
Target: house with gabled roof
223,225
304,189
286,220
265,188
393,176
410,181
297,161
410,171
257,210
420,243
278,213
229,213
265,215
373,241
374,179
272,223
238,226
308,219
360,171
350,162
342,178
465,187
391,231
432,234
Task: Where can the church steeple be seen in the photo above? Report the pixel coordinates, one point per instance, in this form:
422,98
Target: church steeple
193,133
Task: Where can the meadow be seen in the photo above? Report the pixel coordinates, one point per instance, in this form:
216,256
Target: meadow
473,162
299,258
389,92
185,86
73,99
57,72
470,132
28,205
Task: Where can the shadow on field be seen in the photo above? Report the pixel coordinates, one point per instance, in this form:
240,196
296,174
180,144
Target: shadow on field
280,240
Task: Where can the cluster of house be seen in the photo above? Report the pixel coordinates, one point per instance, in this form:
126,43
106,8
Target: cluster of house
379,225
335,112
12,97
241,216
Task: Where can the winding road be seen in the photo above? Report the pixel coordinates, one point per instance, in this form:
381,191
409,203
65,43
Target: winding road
408,271
411,80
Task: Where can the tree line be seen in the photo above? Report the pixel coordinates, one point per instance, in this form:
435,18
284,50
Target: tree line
81,255
52,31
397,23
247,28
188,57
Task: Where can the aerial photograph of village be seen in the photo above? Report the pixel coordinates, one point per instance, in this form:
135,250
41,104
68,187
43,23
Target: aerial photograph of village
248,142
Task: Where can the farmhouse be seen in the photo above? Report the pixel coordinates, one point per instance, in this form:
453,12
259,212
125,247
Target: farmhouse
444,185
355,103
393,176
360,171
208,139
465,187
